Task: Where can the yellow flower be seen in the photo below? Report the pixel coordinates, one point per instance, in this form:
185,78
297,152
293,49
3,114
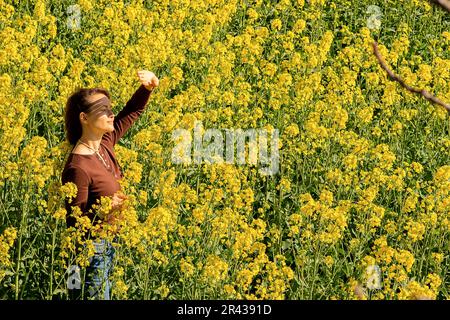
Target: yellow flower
163,290
437,257
160,258
329,261
415,230
120,289
415,291
186,267
417,167
229,290
276,24
369,194
433,281
245,277
39,10
410,203
7,239
408,114
292,130
377,131
69,190
385,157
252,14
299,26
326,197
60,214
215,270
177,75
109,12
86,5
270,69
425,75
391,227
351,161
405,258
442,175
284,185
143,197
397,128
4,257
365,115
198,214
446,35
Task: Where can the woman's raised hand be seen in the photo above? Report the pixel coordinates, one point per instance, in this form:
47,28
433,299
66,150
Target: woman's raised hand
148,79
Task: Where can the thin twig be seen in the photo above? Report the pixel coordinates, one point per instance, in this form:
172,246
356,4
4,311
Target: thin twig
393,76
443,3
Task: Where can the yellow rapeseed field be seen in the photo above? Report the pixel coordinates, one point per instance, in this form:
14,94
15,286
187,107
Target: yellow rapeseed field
359,207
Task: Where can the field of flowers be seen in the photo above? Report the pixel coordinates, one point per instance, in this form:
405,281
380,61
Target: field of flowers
360,205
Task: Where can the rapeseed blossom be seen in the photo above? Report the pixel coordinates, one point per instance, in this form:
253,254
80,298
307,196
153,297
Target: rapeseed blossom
362,161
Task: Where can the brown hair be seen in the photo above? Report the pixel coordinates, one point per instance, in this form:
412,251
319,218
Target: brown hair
78,102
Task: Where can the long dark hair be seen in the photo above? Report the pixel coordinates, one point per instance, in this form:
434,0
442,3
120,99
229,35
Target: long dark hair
78,102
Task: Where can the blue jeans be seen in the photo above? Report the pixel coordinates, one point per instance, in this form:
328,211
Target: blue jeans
97,283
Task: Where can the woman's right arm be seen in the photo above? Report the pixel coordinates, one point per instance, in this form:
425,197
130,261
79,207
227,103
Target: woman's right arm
79,177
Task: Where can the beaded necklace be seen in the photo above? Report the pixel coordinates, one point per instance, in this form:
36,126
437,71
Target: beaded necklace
96,151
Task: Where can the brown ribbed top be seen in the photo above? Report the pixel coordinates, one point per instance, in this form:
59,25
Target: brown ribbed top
89,173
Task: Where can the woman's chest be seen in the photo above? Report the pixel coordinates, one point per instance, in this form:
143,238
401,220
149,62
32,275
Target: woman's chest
105,173
103,184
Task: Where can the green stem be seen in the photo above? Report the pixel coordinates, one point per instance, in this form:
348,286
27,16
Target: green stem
316,263
147,271
50,294
19,249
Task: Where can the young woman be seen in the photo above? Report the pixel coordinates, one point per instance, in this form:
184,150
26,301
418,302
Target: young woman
92,165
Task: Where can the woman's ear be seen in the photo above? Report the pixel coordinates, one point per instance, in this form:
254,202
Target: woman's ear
83,116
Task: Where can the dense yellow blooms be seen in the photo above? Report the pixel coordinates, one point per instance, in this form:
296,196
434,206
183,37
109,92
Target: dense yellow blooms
7,239
363,180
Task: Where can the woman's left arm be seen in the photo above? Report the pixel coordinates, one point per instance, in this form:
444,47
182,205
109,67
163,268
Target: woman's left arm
134,107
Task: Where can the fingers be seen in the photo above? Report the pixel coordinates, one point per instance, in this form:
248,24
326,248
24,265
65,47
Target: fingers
122,195
146,75
143,73
154,80
118,201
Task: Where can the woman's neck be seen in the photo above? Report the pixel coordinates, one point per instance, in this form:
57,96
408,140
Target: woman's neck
92,140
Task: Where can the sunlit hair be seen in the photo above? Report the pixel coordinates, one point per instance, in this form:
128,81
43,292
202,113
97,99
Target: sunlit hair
78,102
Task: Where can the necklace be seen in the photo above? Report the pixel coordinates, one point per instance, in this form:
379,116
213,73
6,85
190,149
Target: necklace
96,151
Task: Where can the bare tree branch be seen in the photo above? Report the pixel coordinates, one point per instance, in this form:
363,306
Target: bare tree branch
443,3
393,76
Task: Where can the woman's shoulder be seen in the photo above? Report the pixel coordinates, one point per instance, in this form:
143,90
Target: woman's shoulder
75,169
107,140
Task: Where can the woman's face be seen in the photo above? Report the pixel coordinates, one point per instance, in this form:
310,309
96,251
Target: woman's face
99,116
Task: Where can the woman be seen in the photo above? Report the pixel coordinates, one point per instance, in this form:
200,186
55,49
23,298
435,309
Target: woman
92,165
